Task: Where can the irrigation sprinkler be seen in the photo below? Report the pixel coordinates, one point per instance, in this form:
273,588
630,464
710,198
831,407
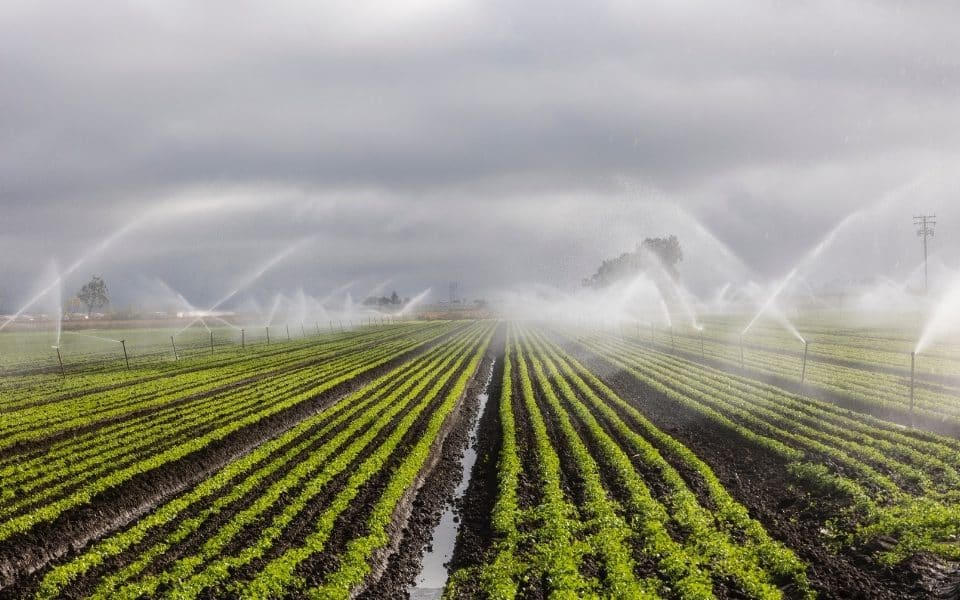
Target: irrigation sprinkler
243,339
126,358
268,334
174,344
317,325
803,369
702,355
288,333
211,342
673,344
60,360
913,365
741,352
303,330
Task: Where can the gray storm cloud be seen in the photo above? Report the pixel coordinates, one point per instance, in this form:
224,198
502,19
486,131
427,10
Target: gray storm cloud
490,143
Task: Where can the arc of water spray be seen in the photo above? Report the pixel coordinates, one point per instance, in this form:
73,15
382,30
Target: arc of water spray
189,306
162,211
274,307
413,302
58,279
768,304
95,337
254,275
379,287
336,291
817,250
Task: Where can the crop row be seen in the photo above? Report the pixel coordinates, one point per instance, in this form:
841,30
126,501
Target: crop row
27,392
72,472
885,344
900,482
264,514
880,392
610,491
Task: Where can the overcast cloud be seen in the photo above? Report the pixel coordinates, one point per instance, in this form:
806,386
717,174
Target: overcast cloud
492,143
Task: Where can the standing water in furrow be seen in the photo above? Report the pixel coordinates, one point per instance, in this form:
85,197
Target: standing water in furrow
433,573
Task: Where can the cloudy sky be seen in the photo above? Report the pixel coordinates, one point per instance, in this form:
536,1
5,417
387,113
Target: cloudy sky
495,143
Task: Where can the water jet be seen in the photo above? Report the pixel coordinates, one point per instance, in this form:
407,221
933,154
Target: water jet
913,365
741,352
803,369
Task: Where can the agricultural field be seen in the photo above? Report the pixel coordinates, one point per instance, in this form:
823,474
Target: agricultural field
480,301
608,463
862,367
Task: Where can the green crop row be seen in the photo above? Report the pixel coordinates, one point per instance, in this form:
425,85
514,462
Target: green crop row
900,482
47,476
744,553
280,574
355,561
28,390
208,567
90,449
295,451
610,516
857,379
270,402
36,422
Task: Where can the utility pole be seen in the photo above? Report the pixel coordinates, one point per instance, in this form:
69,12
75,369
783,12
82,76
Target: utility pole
925,224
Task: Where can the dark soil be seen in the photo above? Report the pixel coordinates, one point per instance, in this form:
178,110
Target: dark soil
475,536
760,481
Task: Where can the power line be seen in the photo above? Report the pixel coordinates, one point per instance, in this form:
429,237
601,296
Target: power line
925,224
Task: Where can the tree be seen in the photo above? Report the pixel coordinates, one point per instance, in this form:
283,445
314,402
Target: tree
651,255
394,298
667,250
94,294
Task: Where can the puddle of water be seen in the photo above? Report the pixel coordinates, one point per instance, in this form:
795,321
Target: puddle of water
433,574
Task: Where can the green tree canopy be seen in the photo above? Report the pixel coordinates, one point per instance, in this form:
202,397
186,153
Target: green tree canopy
665,251
94,294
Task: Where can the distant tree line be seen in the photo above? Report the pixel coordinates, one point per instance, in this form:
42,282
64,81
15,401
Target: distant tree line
392,300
